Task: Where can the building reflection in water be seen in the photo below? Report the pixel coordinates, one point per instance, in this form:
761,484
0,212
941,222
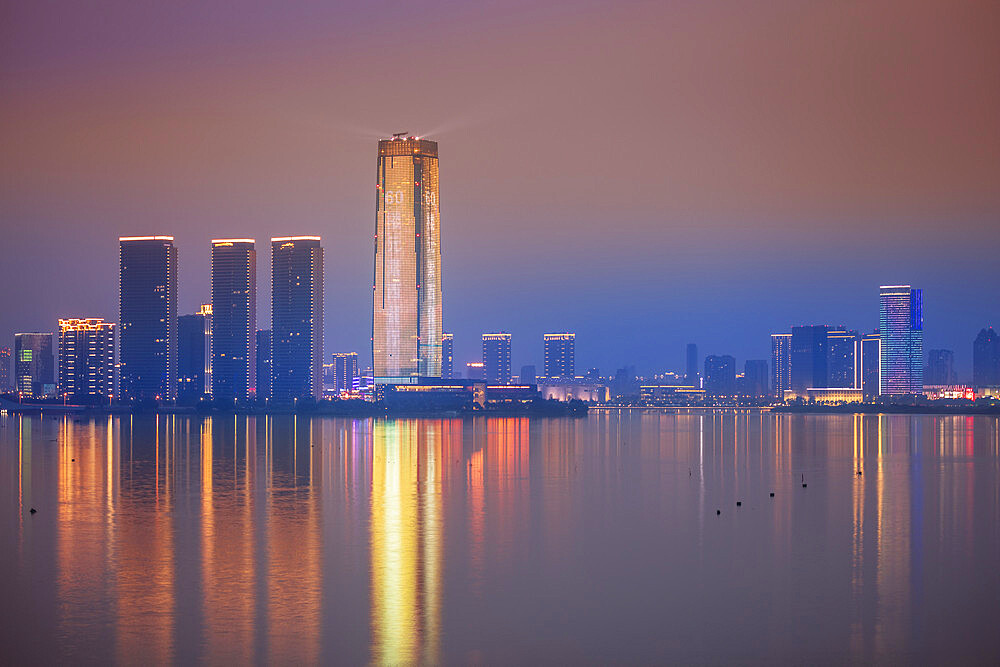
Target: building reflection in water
241,539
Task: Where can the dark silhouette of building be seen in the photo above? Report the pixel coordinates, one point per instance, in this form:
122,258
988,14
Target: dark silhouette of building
5,369
496,357
755,378
840,366
475,370
940,368
234,318
264,364
447,356
986,359
809,357
560,355
86,358
720,375
34,365
781,363
691,377
527,375
296,318
901,325
194,355
869,353
148,317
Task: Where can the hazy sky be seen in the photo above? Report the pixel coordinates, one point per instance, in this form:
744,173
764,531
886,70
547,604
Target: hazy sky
642,173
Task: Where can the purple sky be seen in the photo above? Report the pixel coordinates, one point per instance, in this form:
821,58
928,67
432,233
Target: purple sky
643,173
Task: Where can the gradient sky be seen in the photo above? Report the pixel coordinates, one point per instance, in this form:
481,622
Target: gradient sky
642,173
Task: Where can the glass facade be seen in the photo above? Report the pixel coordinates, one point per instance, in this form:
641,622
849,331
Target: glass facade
148,317
194,355
868,354
840,364
86,358
901,327
234,318
296,318
781,362
406,320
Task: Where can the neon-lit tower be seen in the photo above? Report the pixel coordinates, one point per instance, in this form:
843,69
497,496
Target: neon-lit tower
406,317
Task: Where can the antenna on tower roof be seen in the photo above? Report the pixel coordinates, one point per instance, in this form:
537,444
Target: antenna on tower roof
399,135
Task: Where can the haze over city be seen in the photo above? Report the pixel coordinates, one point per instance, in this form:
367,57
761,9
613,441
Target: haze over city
644,174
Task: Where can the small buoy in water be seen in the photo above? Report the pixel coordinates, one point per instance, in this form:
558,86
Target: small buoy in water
803,485
772,494
859,473
717,512
72,459
33,510
739,503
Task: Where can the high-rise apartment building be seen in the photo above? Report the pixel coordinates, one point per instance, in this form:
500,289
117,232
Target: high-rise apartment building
808,358
406,318
720,375
840,366
234,318
194,355
264,364
296,318
447,356
781,363
496,357
344,372
5,370
527,375
940,369
560,355
34,366
986,359
691,377
868,352
901,326
86,358
148,317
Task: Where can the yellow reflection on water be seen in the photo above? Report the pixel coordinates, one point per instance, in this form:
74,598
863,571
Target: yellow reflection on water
407,528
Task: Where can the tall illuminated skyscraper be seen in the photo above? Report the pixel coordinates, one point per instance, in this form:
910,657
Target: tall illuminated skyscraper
406,318
560,355
781,363
296,318
496,357
901,326
447,356
86,358
234,318
148,317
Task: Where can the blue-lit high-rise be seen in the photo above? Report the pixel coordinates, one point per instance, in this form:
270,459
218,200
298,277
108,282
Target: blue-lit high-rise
296,318
148,317
901,328
234,318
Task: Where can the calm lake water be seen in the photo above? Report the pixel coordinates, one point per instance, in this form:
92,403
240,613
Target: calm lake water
503,540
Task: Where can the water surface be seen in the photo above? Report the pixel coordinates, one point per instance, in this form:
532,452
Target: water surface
500,540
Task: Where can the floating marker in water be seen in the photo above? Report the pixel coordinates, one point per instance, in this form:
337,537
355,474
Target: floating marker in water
772,494
33,510
803,485
717,512
739,503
